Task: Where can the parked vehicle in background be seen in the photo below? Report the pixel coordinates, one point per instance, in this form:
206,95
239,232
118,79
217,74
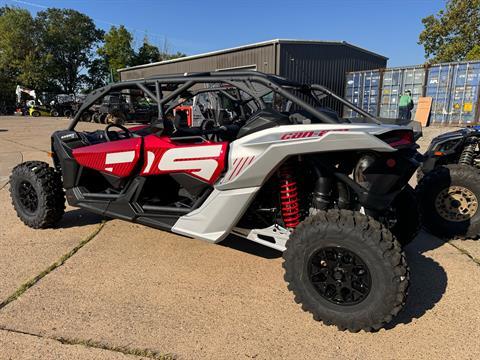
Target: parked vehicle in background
115,109
39,110
449,184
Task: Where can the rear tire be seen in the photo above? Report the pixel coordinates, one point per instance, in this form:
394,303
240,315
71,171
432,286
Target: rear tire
37,194
36,113
86,117
343,295
450,200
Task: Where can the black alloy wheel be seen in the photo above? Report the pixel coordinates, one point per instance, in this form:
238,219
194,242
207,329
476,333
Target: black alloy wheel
28,196
339,275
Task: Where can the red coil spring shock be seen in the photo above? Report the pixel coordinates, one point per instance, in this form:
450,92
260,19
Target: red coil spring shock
289,197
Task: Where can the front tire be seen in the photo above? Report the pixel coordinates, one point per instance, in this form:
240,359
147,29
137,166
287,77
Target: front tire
450,199
347,270
37,194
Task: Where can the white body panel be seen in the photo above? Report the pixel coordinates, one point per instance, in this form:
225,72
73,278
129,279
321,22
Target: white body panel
254,157
217,216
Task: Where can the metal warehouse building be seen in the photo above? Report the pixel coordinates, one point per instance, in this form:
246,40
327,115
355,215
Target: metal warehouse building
322,62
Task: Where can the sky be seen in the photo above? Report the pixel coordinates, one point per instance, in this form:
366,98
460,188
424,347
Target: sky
390,28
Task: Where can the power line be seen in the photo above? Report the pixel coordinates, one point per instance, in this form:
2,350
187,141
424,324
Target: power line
148,33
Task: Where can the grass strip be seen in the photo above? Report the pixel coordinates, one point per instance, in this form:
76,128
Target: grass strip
146,353
24,287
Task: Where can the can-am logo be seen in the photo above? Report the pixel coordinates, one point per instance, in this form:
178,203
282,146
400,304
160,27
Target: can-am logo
307,134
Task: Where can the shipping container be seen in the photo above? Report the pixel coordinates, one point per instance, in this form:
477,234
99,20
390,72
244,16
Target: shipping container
453,87
395,83
363,90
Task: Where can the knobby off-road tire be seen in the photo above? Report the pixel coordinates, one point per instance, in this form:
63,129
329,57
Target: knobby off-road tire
449,197
408,216
37,194
354,250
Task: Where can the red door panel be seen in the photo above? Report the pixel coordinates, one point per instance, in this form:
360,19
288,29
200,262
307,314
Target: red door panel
204,161
116,157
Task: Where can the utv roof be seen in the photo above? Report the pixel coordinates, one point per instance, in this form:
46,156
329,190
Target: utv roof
182,82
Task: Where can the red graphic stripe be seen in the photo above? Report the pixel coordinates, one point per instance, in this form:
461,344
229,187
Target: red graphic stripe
246,163
239,169
236,167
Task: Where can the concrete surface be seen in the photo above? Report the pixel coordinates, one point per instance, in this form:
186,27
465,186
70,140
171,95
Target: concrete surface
17,346
135,288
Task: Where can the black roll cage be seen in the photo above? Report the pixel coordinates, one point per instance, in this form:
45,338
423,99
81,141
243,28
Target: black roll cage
243,80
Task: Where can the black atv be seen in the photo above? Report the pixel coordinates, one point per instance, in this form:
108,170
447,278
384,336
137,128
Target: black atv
449,184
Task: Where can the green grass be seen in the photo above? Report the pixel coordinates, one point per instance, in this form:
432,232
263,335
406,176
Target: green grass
152,354
148,353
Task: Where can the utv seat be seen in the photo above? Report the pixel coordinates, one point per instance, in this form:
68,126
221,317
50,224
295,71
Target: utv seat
263,119
180,127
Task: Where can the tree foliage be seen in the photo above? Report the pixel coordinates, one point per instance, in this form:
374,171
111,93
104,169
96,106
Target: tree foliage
18,47
454,33
117,49
61,50
149,53
68,39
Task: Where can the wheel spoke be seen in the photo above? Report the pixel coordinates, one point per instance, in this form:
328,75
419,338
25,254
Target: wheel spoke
28,196
339,275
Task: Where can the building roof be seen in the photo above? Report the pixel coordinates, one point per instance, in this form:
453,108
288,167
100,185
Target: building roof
250,46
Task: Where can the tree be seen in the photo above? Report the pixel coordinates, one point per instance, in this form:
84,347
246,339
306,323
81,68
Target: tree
147,53
454,33
117,50
170,56
18,51
67,39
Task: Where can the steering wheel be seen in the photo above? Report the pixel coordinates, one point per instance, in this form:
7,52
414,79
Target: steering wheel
208,125
127,133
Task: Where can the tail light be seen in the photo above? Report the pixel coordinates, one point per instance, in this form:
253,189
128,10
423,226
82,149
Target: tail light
398,138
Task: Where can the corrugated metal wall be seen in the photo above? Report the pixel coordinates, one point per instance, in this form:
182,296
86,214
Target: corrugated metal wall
363,90
395,82
325,64
454,89
319,62
261,57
